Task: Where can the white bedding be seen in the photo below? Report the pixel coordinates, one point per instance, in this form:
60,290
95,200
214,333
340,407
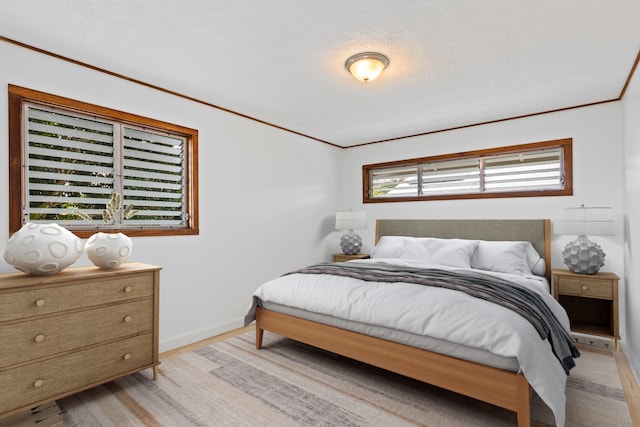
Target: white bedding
436,312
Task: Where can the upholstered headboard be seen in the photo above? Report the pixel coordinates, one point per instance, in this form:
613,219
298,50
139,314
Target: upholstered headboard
536,231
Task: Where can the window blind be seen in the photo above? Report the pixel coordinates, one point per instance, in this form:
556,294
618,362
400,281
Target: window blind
70,165
153,177
451,177
538,170
395,182
514,171
75,163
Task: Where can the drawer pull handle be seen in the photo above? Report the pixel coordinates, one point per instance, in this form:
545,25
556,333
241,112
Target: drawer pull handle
39,338
39,303
128,289
127,319
38,383
126,356
584,287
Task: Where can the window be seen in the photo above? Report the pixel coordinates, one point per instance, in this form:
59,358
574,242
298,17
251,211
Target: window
90,168
537,169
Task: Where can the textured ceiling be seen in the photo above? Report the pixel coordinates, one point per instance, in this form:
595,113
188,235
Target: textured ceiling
453,62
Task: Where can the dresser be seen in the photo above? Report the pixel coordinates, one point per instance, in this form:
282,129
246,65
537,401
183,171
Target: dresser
67,332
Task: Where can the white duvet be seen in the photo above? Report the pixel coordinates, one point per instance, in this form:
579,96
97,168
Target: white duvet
436,312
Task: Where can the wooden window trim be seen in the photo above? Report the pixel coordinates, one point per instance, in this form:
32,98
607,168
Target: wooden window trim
19,95
565,144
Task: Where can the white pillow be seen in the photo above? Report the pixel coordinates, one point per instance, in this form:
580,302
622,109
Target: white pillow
449,252
438,250
416,248
536,263
454,252
508,257
388,247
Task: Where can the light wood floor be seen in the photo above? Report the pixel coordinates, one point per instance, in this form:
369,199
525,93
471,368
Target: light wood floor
630,386
629,383
207,341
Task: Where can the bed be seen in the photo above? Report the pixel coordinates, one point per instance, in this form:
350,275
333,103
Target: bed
491,372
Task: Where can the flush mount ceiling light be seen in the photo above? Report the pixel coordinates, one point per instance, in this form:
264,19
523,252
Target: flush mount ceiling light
366,66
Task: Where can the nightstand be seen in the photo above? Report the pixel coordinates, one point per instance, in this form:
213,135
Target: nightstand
344,257
591,301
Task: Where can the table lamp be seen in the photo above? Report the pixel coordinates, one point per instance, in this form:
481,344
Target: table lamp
583,256
351,242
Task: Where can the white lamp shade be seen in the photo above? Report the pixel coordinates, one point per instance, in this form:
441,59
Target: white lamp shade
351,220
585,221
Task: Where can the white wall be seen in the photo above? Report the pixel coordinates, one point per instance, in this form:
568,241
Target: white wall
597,175
266,197
631,103
267,223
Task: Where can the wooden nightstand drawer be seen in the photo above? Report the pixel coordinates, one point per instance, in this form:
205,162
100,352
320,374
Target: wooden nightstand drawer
591,288
34,339
345,258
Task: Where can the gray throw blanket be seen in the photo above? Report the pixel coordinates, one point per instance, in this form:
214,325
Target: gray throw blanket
499,291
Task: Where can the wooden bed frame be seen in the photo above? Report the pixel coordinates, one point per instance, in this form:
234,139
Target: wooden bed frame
495,386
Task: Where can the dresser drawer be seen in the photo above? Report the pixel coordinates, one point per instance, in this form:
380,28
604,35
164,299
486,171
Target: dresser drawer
591,288
51,299
56,377
33,339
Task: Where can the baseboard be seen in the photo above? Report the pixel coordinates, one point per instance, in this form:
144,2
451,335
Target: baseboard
182,340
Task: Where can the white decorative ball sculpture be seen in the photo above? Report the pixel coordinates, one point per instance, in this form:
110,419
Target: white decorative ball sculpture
109,250
42,249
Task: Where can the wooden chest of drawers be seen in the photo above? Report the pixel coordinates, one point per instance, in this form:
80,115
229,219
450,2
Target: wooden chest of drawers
67,332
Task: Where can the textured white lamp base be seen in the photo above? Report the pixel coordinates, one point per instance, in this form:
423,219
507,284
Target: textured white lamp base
351,243
582,256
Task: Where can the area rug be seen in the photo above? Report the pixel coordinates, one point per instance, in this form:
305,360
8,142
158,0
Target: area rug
287,383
